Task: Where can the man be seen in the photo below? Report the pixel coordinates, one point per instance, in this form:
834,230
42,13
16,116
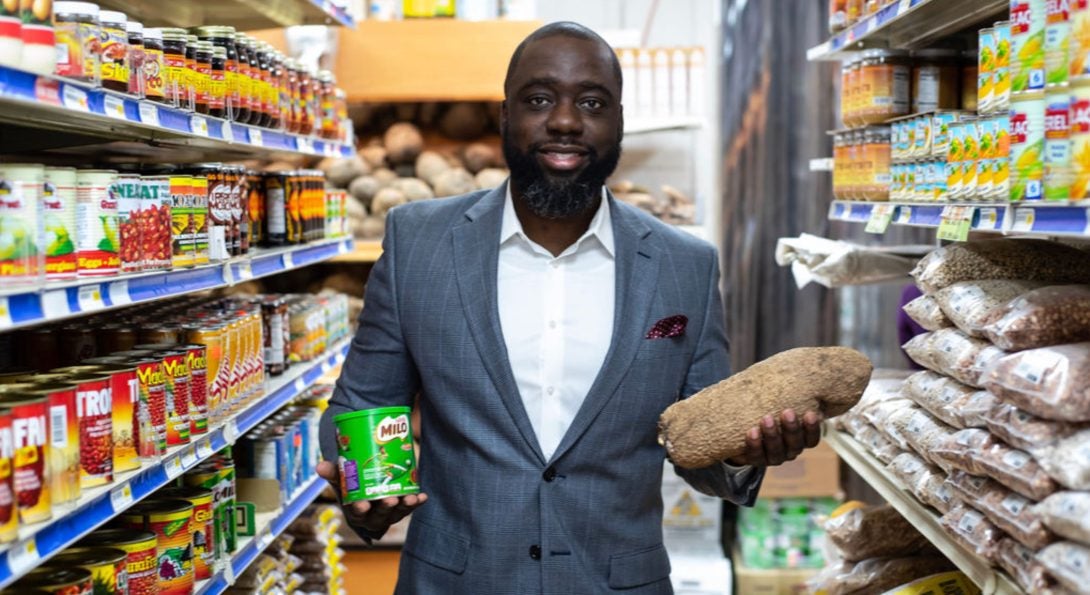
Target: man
546,326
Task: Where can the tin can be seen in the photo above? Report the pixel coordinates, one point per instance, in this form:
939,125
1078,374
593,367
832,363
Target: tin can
177,396
1079,45
141,561
1002,76
1057,174
150,427
79,343
197,362
59,223
1057,41
985,88
971,157
94,402
1027,46
129,204
1027,146
30,430
181,217
171,521
954,158
375,454
1001,174
64,438
204,527
1080,137
211,336
9,516
114,338
96,223
156,222
219,477
57,581
125,391
20,193
199,217
108,567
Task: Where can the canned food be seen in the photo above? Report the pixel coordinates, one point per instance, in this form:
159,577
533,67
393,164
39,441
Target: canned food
1027,45
181,216
199,216
204,527
171,522
59,223
219,477
1080,137
1001,174
30,430
1027,146
1057,41
985,89
141,556
108,567
125,391
9,516
96,223
969,182
986,156
79,344
151,424
20,193
155,222
375,454
94,399
954,158
1057,174
114,338
197,362
64,438
129,205
211,336
1002,76
176,374
1079,45
58,581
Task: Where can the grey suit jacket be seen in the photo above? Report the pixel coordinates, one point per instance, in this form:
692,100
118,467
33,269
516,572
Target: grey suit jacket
500,518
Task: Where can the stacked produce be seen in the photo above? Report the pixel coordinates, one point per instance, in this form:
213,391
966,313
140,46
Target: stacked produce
995,434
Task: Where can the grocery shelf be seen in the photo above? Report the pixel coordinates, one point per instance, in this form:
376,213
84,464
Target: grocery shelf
908,24
364,252
64,117
240,14
1037,218
62,300
646,125
271,524
990,580
37,543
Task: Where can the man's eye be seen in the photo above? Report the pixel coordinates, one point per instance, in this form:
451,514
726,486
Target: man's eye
594,104
538,101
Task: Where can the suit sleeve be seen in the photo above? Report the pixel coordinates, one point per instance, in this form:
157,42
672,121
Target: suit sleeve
711,363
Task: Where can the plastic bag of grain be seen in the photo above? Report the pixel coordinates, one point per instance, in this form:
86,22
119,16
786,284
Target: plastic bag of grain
920,429
1021,563
960,450
935,492
875,576
975,410
872,532
919,350
1002,258
971,529
972,305
910,469
1068,515
1049,382
1068,563
1014,514
941,396
877,443
881,417
926,312
956,355
1015,469
1026,431
1047,316
968,487
1068,460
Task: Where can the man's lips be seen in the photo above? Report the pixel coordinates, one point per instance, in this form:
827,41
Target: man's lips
562,157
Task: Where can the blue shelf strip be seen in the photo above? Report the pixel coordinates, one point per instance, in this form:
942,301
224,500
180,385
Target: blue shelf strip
246,556
335,12
867,25
1026,218
52,538
114,108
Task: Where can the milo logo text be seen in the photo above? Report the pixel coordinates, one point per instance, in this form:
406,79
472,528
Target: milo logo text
392,428
1080,116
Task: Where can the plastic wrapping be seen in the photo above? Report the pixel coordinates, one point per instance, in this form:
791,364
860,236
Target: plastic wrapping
968,487
972,530
874,531
1026,431
1068,563
1015,469
1021,564
958,355
1002,258
921,430
975,410
910,469
1067,514
923,479
926,312
972,305
834,263
1068,461
876,576
1043,317
881,416
941,396
1014,514
935,491
879,390
1049,382
918,348
877,444
961,450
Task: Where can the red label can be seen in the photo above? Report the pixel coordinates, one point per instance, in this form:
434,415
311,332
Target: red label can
149,426
64,440
197,362
9,517
176,374
94,402
30,433
125,392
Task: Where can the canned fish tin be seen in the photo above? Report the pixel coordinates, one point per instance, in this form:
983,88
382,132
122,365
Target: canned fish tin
125,391
1027,45
1057,40
171,522
57,581
150,427
204,527
59,223
1002,76
9,516
108,567
20,194
375,454
196,360
1057,175
176,374
94,401
64,439
30,432
1001,174
1027,146
141,556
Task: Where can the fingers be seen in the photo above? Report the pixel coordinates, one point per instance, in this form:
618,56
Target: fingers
773,441
378,515
794,437
811,425
327,471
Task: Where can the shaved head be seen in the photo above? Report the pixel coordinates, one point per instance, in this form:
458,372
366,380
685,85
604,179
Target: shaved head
560,29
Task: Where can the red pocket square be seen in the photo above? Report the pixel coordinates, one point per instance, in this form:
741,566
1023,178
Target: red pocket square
671,326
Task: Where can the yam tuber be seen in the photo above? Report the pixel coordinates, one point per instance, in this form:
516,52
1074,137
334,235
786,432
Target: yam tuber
711,426
454,182
403,143
491,177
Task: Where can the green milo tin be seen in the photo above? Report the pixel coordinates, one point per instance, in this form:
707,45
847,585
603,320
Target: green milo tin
375,454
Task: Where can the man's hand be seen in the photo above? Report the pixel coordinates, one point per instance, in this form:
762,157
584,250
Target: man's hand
778,441
374,516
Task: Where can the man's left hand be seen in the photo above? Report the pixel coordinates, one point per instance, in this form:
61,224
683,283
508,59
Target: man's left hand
779,440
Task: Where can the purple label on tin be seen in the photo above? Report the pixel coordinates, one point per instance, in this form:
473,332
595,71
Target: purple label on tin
351,476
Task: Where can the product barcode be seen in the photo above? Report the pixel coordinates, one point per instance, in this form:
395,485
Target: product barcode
58,427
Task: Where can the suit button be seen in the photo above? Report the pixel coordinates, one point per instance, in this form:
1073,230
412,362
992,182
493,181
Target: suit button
550,474
535,552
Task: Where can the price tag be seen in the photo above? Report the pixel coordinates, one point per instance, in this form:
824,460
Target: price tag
989,218
305,145
955,223
198,125
75,98
872,24
905,5
326,367
245,271
188,458
174,467
230,431
121,498
299,385
119,293
1023,220
229,274
289,260
115,107
229,573
90,298
55,304
1086,232
256,137
149,114
23,556
342,247
228,132
5,313
904,215
880,218
204,449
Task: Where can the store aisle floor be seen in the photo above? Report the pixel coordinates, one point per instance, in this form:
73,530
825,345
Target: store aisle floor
371,572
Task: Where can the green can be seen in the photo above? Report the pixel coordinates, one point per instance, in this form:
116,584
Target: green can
375,454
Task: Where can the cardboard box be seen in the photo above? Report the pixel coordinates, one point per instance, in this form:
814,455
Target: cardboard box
815,473
700,575
691,521
780,581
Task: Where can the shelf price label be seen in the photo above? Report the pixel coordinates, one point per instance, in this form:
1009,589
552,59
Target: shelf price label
23,556
299,385
198,125
188,457
204,448
230,431
342,247
173,467
5,313
256,137
1023,220
90,298
149,114
305,145
880,218
119,293
228,132
1085,232
904,215
288,260
121,498
989,218
326,366
955,223
75,98
245,271
114,106
55,304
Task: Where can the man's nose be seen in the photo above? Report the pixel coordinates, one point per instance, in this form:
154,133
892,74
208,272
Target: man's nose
565,119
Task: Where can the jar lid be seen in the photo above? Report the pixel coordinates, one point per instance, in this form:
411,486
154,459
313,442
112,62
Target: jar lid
215,31
206,46
191,39
173,33
83,8
134,27
153,34
935,53
880,53
219,52
112,16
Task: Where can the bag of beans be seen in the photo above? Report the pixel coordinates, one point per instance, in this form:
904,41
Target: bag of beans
1047,316
1068,460
972,305
874,532
973,530
960,450
876,576
1002,258
1026,431
941,396
1049,382
968,487
1068,515
936,492
926,312
975,409
1014,514
921,430
919,350
958,355
1015,469
882,417
877,443
1068,563
1021,563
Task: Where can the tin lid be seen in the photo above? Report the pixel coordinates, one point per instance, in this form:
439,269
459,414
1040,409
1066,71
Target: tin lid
153,347
186,493
77,8
219,52
133,353
88,556
112,17
117,537
55,578
206,46
92,375
371,412
12,399
158,507
48,388
191,39
120,366
216,31
173,34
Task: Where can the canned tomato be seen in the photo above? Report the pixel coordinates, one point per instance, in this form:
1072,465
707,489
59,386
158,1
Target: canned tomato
375,454
1057,174
219,477
210,335
108,567
20,193
30,432
57,581
129,204
64,438
176,374
141,556
125,391
197,362
204,527
156,221
1027,45
1027,146
94,400
150,427
1002,76
171,522
1057,40
9,516
59,222
96,223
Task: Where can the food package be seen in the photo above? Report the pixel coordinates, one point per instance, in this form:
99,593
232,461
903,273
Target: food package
874,531
833,263
881,416
878,575
1015,469
1068,461
972,530
924,480
1049,382
877,443
968,487
1047,316
972,305
975,410
921,430
1068,563
1002,258
941,396
1067,514
926,312
947,583
1014,514
919,350
1021,564
936,492
881,389
960,450
1026,431
960,356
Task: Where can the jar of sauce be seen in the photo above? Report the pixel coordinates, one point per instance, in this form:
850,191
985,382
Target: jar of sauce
154,66
135,33
295,96
224,37
217,90
77,32
114,47
246,80
203,76
884,85
936,76
191,75
177,77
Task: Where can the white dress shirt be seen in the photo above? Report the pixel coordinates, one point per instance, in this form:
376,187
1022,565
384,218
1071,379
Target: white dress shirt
556,314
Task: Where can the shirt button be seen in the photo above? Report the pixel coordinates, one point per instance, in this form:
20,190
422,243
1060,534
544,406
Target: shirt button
535,552
550,390
554,264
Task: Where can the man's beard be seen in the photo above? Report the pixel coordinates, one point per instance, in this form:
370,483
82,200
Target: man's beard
553,197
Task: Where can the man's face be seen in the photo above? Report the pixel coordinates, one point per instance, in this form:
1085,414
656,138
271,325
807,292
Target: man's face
562,125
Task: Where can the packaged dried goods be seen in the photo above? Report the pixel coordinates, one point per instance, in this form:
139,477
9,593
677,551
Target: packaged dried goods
877,443
1015,469
880,417
918,348
872,532
1014,514
926,312
937,493
1026,431
1068,461
975,410
875,576
956,355
941,396
922,431
1067,514
1047,316
972,530
909,468
971,305
1068,563
1049,382
1021,563
966,486
1003,258
960,450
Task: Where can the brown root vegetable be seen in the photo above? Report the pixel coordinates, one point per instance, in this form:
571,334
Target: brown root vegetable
430,165
454,182
374,155
413,188
403,143
711,426
341,172
370,228
491,177
354,208
464,121
384,176
386,199
364,189
478,156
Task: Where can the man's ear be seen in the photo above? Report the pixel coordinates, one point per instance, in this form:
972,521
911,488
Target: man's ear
503,117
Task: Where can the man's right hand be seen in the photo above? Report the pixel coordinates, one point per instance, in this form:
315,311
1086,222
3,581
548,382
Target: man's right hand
375,516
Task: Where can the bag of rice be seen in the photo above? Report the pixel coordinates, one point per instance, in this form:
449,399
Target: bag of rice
1068,461
1015,515
874,532
941,396
975,410
1068,515
960,450
1068,563
959,356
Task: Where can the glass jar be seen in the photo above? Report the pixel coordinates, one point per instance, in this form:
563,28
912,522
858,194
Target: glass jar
341,108
936,76
191,76
77,31
849,76
202,76
970,70
114,49
283,87
840,164
307,81
154,66
246,79
876,154
135,33
857,168
838,15
854,11
217,88
224,37
327,102
295,120
884,85
265,83
177,77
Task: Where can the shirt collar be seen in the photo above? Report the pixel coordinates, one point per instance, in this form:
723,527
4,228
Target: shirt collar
600,228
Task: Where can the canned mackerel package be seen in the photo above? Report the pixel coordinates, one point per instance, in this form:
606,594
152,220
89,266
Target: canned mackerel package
375,454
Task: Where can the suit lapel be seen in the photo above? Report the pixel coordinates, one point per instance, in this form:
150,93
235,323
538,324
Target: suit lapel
476,260
637,262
